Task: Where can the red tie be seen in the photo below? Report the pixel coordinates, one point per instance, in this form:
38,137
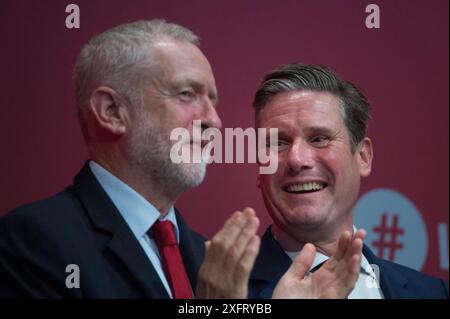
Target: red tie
164,235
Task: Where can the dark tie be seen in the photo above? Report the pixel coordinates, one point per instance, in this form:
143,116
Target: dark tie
164,235
316,267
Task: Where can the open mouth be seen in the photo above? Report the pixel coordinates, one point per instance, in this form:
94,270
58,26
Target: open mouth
302,188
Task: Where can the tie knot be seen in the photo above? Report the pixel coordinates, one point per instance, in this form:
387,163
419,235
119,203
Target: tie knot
163,233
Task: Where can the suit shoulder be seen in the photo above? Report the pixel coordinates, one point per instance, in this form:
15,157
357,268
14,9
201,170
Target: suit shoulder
420,281
409,272
48,207
48,213
37,244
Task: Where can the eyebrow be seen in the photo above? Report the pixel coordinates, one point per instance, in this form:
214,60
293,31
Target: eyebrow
286,132
314,130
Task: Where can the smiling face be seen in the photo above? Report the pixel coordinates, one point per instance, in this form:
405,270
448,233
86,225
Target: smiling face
181,90
313,192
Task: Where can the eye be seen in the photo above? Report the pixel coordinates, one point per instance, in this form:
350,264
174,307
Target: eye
320,140
279,144
187,95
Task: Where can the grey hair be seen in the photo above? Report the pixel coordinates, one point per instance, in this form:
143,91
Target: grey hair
355,108
120,58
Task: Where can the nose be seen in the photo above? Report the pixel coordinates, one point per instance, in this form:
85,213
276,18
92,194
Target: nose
209,116
300,157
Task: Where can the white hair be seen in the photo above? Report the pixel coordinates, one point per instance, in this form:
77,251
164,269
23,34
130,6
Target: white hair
120,58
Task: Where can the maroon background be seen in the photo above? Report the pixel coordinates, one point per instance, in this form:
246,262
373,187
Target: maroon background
402,67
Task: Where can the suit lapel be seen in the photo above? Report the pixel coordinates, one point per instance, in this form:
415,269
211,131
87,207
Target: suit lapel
106,219
271,263
139,266
392,282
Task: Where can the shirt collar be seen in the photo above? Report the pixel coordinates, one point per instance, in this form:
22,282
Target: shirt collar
138,213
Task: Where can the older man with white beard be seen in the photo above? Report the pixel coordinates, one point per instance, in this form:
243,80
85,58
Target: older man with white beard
115,230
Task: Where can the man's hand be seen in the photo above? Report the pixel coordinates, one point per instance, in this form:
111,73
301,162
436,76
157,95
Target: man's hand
230,256
335,279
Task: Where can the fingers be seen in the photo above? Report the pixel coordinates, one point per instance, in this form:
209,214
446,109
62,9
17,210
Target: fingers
237,250
356,251
352,258
335,279
302,262
343,245
246,263
361,233
356,244
346,244
354,261
293,284
221,243
229,258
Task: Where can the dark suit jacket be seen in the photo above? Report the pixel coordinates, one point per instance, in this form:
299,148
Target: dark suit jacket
81,226
396,281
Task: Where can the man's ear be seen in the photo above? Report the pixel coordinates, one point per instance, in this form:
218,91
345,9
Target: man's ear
365,157
108,110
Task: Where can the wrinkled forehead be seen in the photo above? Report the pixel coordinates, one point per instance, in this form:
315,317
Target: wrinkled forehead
177,57
178,63
304,104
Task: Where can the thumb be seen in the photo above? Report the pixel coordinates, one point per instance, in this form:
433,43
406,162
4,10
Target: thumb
302,262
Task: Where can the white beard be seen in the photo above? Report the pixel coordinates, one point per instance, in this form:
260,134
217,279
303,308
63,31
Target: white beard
150,149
